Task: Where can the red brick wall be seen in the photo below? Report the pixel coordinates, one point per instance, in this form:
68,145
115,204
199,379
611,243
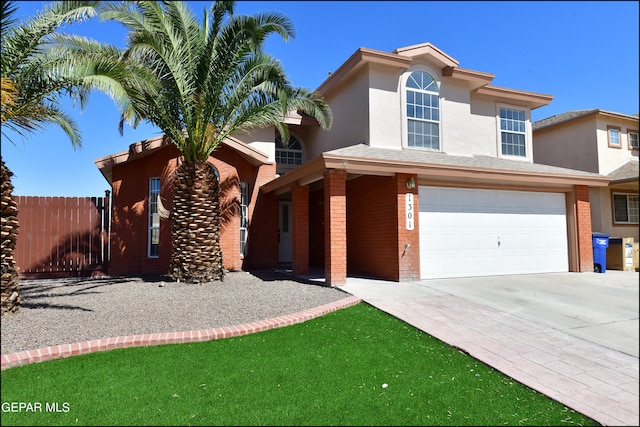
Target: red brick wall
130,216
376,229
316,229
335,207
408,240
130,208
583,224
262,242
372,227
300,229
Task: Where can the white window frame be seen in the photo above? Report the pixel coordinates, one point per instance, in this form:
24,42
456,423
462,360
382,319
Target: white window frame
244,216
631,211
634,132
526,132
405,116
290,154
153,233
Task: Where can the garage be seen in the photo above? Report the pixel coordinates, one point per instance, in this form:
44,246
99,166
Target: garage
475,232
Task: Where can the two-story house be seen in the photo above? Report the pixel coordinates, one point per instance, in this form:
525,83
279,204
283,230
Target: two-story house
427,172
603,142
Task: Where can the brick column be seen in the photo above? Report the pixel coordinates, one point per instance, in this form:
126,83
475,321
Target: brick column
335,229
408,240
583,225
300,229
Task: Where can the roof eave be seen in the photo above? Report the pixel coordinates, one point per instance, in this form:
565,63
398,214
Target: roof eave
146,147
359,165
475,78
432,172
356,61
534,100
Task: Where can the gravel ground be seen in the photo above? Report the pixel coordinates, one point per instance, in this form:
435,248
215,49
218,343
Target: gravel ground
64,311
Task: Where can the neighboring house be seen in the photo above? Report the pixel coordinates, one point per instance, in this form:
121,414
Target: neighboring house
602,142
427,172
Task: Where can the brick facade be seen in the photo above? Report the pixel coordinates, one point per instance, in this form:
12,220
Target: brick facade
378,242
300,229
335,217
583,224
130,208
408,253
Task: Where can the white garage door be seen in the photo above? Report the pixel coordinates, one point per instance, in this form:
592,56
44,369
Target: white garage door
469,232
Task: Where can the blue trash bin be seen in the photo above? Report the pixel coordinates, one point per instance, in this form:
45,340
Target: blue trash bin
600,244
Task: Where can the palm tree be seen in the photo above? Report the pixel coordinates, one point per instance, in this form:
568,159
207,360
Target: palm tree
39,67
213,79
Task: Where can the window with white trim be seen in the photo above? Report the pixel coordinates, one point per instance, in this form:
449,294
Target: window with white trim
614,136
153,245
633,139
290,154
244,216
625,208
513,132
423,111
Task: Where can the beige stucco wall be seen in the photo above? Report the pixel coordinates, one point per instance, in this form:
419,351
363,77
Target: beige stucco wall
572,145
261,139
385,108
349,105
583,144
483,123
611,158
602,216
459,136
468,124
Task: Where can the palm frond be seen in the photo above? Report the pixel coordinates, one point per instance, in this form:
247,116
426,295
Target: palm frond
213,77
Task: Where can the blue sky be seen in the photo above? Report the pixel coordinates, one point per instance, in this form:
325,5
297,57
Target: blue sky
585,54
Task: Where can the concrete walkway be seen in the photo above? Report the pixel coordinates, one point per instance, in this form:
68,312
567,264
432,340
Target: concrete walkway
570,336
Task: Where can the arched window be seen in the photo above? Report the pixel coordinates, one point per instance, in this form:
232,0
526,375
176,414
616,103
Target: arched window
423,111
289,156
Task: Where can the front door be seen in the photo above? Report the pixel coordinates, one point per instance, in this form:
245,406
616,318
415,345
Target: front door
284,232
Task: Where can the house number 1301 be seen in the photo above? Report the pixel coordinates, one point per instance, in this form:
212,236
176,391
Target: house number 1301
409,208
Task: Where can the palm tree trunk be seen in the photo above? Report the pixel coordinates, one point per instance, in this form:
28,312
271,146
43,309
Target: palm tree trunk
9,208
195,224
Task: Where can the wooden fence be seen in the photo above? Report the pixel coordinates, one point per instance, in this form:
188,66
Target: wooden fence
62,236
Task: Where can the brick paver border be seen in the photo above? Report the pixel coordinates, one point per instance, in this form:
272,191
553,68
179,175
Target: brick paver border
104,344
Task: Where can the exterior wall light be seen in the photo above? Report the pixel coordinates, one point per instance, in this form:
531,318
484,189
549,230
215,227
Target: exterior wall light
411,183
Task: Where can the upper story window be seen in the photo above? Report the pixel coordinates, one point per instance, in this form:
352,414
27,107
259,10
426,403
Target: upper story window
633,139
154,219
625,208
288,156
423,111
614,136
513,134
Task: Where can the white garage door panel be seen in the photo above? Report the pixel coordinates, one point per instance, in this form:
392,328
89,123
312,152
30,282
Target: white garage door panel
469,232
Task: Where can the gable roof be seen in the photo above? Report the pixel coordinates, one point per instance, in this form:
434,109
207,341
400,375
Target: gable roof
403,57
576,114
146,147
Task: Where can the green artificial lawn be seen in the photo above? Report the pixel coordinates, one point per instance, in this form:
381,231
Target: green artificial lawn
355,366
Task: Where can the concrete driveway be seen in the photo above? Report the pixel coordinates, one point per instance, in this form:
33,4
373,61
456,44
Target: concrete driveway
571,336
600,308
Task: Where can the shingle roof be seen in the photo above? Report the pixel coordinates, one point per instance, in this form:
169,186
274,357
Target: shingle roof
574,114
626,172
559,118
439,158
